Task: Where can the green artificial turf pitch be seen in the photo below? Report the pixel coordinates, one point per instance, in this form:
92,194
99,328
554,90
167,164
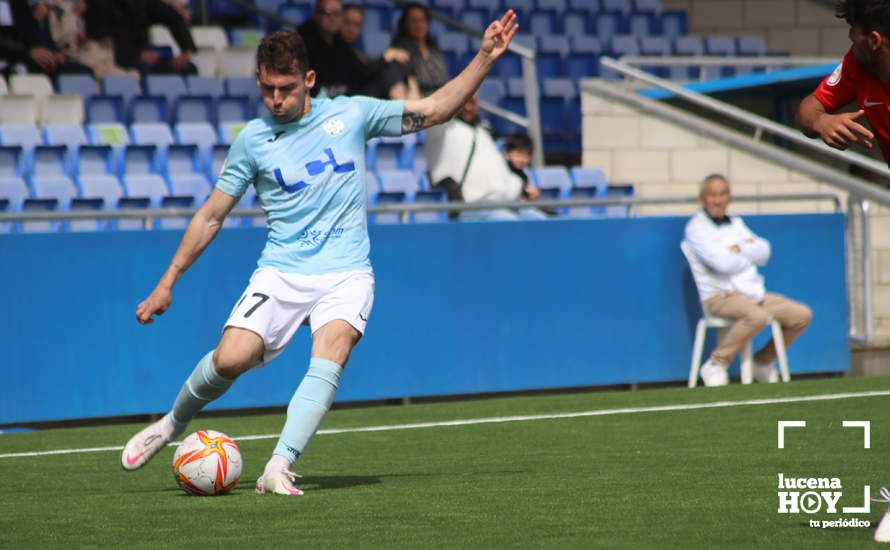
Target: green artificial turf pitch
692,478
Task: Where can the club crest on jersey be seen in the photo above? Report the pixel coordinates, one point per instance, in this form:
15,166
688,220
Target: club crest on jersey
835,76
334,126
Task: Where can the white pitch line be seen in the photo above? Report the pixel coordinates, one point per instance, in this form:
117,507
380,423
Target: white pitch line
501,419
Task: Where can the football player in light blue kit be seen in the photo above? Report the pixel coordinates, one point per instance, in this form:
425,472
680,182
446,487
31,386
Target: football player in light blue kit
306,161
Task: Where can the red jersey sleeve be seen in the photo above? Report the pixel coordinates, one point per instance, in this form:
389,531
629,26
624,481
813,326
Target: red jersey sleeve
839,88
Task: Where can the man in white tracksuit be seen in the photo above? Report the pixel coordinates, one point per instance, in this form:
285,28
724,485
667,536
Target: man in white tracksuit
730,286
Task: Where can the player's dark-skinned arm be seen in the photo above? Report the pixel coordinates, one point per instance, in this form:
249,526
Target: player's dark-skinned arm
836,130
442,104
200,232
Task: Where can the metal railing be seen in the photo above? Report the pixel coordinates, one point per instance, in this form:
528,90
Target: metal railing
861,192
148,215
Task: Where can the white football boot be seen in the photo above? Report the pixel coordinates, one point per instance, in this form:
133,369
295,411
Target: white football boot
144,445
278,482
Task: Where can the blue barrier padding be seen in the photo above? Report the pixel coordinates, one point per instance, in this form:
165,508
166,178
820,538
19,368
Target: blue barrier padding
746,81
459,308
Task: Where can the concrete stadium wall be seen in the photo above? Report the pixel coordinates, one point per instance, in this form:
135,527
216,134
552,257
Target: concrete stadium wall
460,308
800,27
665,160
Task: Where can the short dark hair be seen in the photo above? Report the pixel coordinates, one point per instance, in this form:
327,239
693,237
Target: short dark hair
283,52
357,7
518,141
868,15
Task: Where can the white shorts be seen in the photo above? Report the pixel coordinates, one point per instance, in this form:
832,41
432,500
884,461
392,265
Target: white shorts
275,304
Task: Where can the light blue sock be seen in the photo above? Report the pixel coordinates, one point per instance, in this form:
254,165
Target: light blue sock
203,386
308,406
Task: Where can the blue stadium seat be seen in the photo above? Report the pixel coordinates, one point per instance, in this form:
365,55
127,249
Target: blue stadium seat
642,24
647,6
553,121
378,18
127,87
25,135
139,159
229,130
672,24
49,161
147,108
690,46
167,85
553,177
544,23
86,204
234,109
587,177
389,153
374,43
516,87
418,160
12,161
563,5
102,186
564,88
456,42
592,192
751,45
372,187
592,6
182,159
201,134
94,160
190,184
241,85
583,61
618,191
435,197
151,186
576,24
398,181
655,46
33,204
217,156
104,108
58,188
78,84
607,24
194,109
72,135
492,90
720,45
624,44
551,52
619,6
204,85
151,133
389,197
15,190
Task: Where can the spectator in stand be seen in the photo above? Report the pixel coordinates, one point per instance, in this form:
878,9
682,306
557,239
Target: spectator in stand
427,60
518,152
23,40
331,58
389,76
61,22
465,162
126,24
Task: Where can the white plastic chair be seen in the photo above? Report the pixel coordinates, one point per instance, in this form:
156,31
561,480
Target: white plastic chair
712,321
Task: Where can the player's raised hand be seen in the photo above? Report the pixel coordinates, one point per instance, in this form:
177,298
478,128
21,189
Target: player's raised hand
156,304
841,130
498,35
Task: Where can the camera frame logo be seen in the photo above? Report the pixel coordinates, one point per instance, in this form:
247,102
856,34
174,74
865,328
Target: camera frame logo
823,494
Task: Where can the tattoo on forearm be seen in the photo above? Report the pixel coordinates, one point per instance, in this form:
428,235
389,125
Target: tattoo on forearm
412,122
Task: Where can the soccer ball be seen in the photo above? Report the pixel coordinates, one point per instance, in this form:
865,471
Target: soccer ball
207,463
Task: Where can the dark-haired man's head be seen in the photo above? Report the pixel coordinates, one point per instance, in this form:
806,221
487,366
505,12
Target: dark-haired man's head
869,22
353,21
283,75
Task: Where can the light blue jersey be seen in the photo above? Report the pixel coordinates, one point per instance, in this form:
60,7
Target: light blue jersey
310,181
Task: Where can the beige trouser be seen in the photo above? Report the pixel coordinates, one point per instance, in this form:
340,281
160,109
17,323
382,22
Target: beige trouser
751,318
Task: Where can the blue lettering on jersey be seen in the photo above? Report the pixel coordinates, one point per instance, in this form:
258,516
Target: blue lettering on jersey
314,168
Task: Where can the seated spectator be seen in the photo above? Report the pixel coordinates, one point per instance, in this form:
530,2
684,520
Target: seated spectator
730,286
464,161
25,39
427,60
63,23
126,24
386,78
518,152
